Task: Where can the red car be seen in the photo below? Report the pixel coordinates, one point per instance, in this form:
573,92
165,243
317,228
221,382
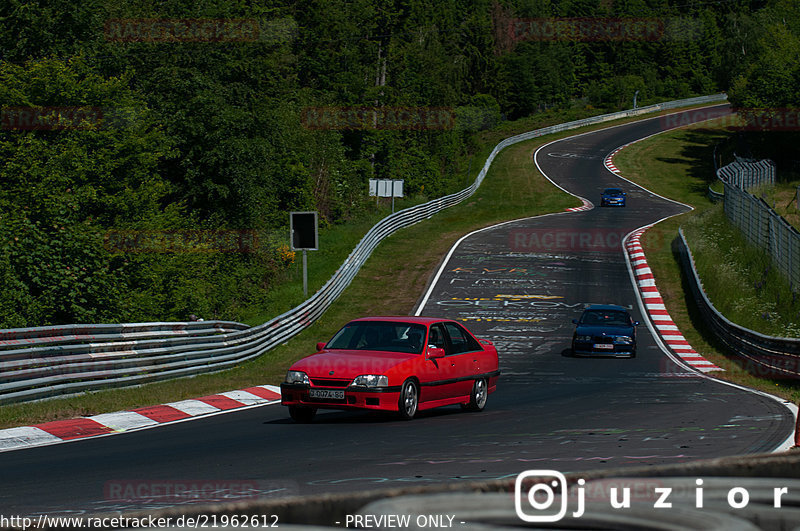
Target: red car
399,364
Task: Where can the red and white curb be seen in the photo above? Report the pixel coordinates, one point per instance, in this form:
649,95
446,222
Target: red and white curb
147,417
608,162
654,304
585,206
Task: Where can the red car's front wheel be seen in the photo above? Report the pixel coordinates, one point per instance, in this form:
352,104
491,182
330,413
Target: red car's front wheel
409,400
477,399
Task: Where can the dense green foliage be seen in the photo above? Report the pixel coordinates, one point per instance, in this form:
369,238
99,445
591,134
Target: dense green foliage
210,133
768,80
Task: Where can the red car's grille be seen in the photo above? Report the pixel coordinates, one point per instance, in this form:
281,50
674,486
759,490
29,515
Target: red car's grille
325,382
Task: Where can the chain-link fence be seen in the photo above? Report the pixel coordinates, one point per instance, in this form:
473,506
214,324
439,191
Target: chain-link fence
766,229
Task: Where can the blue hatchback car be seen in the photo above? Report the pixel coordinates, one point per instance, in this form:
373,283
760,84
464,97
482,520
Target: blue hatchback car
605,330
613,197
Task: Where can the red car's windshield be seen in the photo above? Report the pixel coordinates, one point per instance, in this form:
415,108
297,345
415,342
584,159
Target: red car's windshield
380,335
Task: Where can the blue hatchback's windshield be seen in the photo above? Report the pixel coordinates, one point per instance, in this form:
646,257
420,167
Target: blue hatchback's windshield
605,318
613,191
380,335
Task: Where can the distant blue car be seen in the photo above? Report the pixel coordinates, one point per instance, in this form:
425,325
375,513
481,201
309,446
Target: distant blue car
613,197
605,330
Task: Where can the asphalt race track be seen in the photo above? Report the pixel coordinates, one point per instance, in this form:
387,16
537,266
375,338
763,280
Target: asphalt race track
551,411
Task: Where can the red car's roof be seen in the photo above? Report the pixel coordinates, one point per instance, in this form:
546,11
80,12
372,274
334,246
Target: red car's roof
405,319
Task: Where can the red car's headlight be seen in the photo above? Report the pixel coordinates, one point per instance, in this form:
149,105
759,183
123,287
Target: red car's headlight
371,380
297,377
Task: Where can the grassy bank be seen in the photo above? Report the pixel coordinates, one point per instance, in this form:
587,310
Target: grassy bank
679,165
783,198
739,277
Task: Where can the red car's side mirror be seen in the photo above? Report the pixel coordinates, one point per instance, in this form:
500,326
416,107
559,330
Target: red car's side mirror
320,346
435,353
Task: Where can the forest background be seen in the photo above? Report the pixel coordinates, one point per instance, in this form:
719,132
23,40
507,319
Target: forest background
138,118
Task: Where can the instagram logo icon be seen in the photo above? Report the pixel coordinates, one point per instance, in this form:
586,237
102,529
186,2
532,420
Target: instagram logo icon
537,503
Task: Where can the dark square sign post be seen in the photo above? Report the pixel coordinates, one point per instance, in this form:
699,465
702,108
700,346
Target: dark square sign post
303,230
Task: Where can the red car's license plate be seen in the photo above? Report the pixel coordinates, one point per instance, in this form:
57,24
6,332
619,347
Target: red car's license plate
604,346
326,394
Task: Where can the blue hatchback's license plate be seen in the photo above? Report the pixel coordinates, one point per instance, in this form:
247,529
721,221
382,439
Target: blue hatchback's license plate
326,394
604,346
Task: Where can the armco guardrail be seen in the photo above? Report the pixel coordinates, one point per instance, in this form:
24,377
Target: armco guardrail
773,357
55,361
714,196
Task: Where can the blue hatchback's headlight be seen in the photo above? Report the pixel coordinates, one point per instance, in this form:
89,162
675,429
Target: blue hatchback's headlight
623,340
583,338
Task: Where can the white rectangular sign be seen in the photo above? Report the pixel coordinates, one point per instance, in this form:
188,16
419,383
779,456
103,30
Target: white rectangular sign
397,189
386,187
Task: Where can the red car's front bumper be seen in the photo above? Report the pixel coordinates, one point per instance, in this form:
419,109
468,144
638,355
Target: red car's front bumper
380,399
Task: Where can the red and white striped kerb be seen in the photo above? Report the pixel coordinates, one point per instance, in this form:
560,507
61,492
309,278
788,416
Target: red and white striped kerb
585,206
608,162
123,421
654,305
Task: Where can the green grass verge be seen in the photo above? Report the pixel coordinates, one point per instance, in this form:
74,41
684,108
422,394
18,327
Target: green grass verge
679,165
740,278
783,198
390,282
